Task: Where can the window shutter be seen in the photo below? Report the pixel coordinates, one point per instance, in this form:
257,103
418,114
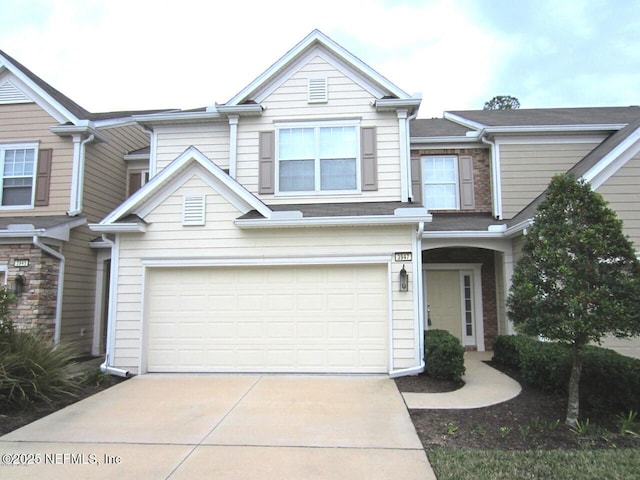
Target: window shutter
416,179
266,161
369,160
43,177
135,180
193,212
467,201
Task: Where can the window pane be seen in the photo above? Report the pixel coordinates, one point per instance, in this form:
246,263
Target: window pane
439,169
297,176
296,143
338,174
440,197
338,142
16,196
18,176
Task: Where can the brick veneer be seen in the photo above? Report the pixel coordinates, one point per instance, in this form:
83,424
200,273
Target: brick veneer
488,273
481,173
36,308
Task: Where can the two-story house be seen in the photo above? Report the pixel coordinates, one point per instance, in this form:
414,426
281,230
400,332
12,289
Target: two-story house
312,224
61,167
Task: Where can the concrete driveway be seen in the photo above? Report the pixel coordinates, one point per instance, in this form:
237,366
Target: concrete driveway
161,426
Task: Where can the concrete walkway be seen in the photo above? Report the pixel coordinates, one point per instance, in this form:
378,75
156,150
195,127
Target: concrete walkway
162,426
484,386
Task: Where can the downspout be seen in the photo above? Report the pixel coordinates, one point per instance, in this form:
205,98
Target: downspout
60,257
419,307
106,365
405,165
78,187
233,145
409,173
495,177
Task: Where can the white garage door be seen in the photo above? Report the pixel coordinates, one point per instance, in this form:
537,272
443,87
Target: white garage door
268,319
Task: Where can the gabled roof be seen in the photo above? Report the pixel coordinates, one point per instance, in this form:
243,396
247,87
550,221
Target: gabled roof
317,39
70,110
615,117
437,127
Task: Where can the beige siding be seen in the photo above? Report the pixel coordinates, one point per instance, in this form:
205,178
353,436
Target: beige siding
29,123
210,139
622,191
526,169
167,238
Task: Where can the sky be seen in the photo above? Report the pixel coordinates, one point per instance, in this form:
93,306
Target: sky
110,55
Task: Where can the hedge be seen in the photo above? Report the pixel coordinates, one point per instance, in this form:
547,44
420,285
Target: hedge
610,382
443,355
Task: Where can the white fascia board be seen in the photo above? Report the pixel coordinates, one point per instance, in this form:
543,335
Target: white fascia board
118,227
85,128
554,128
137,156
391,104
519,227
463,234
178,117
614,160
348,221
265,261
42,98
316,37
464,121
431,141
253,109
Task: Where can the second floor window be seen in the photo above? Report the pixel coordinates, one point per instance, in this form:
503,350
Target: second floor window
318,158
18,166
440,182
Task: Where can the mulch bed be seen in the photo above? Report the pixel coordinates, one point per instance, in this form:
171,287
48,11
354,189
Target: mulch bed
532,420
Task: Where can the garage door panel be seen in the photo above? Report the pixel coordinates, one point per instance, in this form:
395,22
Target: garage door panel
271,319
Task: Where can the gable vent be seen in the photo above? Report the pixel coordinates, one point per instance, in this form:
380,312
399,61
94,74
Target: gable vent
9,93
317,90
193,210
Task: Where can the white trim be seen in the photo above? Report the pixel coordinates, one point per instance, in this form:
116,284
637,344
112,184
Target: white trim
233,145
456,182
613,161
550,139
333,221
35,146
118,227
444,143
101,301
405,155
177,262
390,366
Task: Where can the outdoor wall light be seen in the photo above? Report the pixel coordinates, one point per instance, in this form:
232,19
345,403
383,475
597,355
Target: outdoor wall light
404,280
18,286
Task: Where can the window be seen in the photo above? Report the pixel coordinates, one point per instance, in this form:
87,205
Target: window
318,158
17,166
137,180
440,182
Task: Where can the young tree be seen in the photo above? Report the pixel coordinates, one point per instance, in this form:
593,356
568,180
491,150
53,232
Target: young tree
578,278
502,102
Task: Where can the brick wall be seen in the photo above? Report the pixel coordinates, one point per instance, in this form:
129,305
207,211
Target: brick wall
36,307
481,173
488,273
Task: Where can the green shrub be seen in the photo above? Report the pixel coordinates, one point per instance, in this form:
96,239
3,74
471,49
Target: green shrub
31,368
547,365
443,355
507,349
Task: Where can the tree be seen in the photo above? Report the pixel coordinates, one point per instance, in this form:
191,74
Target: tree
502,102
578,278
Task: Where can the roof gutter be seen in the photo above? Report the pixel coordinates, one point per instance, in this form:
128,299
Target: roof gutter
60,293
337,221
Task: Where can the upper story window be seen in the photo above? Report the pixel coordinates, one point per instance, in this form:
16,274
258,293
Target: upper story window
17,163
318,158
137,179
440,182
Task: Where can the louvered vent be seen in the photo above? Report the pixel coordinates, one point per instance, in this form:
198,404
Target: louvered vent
193,211
9,93
317,90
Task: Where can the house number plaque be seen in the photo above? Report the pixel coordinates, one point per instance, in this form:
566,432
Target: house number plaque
403,256
21,262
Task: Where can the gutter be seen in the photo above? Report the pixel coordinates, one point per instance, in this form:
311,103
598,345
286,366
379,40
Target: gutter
106,367
60,257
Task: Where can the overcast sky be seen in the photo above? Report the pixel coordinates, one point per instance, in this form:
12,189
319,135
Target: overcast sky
138,54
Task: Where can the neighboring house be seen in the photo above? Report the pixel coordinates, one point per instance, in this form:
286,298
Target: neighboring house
312,224
61,168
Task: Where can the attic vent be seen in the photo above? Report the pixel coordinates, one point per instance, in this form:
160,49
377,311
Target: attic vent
317,90
193,210
9,93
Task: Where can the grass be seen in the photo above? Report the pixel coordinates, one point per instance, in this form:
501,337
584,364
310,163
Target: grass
603,464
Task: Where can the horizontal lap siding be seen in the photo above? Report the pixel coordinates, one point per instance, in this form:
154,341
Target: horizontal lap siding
526,170
347,100
211,139
29,123
622,191
219,238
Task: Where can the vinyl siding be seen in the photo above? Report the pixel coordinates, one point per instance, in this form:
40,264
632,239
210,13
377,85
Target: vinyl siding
211,139
219,238
622,191
526,169
29,123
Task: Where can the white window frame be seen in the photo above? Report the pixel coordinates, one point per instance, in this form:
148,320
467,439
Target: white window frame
144,177
19,146
317,126
455,183
4,272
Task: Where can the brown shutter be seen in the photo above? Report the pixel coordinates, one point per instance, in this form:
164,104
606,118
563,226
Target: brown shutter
369,159
465,170
135,180
267,163
416,178
43,177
